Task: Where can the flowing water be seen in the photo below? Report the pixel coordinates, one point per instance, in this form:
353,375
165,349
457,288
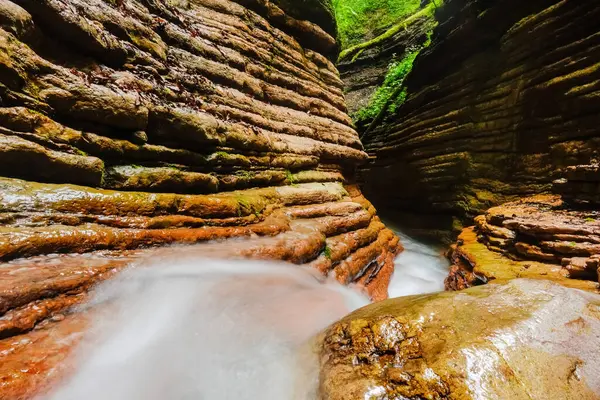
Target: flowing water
186,327
420,268
207,329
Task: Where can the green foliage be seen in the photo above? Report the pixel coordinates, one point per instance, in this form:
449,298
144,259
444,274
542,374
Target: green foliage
291,178
355,51
327,252
245,174
390,94
243,204
359,20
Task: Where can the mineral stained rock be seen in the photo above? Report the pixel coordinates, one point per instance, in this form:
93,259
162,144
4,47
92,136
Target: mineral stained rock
136,123
536,237
506,96
130,124
527,339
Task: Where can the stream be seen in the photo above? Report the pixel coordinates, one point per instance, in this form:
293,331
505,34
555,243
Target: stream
420,268
195,328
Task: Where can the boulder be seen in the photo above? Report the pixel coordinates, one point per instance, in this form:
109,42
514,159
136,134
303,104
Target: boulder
526,339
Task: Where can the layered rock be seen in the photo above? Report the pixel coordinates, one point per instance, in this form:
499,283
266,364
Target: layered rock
132,124
580,186
527,339
363,67
537,237
506,96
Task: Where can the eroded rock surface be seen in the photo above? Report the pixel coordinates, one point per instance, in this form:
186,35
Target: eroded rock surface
504,98
538,237
126,125
526,339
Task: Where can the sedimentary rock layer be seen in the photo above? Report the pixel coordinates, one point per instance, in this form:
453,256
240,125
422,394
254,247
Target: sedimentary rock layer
162,123
507,95
131,124
527,339
537,237
580,186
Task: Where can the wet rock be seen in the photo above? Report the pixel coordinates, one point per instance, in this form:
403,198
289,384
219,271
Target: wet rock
537,237
126,126
526,339
504,98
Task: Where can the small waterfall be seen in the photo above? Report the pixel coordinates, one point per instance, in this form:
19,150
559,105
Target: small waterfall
206,329
186,327
420,268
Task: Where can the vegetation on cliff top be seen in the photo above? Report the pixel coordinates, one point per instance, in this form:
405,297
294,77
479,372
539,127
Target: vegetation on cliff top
361,20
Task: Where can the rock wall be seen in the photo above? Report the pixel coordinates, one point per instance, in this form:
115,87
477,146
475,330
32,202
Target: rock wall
130,124
549,237
363,68
506,96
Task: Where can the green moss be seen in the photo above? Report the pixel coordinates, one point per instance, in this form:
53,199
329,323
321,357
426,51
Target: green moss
248,205
243,205
245,174
327,252
590,220
390,94
403,24
358,20
290,177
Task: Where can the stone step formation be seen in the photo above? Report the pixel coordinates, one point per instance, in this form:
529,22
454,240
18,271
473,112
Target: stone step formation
133,124
544,236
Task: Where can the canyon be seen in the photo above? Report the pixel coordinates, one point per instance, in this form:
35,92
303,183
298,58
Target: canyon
504,99
149,149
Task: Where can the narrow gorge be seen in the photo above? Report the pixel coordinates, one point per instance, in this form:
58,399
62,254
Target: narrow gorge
186,188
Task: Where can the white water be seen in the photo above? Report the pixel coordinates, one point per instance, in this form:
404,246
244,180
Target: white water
207,329
184,327
420,268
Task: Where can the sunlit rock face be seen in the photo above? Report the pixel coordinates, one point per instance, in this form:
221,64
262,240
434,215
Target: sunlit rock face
550,237
527,339
364,67
146,123
132,124
506,95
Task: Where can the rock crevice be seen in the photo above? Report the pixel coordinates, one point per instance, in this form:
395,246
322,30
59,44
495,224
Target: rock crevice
502,101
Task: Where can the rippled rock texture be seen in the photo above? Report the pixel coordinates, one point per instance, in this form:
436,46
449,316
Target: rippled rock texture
537,237
506,96
527,339
131,124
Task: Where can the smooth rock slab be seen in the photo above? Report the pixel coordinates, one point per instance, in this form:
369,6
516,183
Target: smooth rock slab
526,339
